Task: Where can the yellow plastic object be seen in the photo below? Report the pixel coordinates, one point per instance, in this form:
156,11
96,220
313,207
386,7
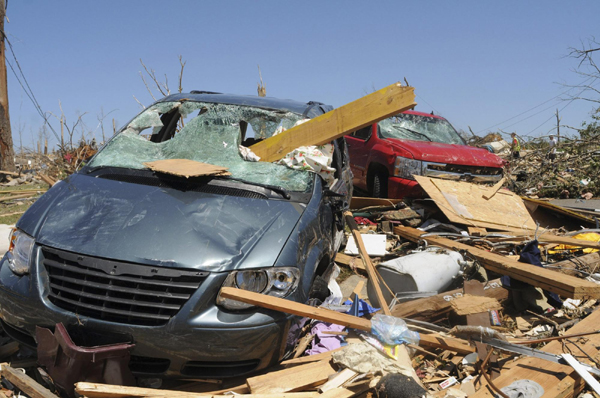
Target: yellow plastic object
590,237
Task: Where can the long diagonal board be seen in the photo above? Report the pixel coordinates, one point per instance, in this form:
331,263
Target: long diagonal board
353,116
564,285
322,314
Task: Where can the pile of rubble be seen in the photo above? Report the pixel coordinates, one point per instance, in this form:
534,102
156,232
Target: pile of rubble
478,301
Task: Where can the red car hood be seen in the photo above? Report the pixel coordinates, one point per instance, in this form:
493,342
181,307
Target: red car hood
448,153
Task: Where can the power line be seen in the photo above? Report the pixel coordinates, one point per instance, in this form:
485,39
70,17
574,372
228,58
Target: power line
537,106
28,90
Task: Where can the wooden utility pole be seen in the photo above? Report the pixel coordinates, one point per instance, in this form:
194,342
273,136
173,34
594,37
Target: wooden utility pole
7,153
557,128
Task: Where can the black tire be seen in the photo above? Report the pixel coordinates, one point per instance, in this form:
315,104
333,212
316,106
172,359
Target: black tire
379,186
319,289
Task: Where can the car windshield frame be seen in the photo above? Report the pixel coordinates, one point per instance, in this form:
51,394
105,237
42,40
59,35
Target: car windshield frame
406,126
212,134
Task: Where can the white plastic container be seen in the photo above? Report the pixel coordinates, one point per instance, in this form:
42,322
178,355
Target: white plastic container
432,270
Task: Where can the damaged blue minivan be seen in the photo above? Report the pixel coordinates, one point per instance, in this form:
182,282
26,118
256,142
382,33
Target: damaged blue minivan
120,253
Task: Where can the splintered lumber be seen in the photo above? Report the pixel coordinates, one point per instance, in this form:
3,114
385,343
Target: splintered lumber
463,203
437,307
468,304
346,119
325,315
339,379
369,267
557,380
22,196
186,168
350,261
25,383
588,263
492,191
96,390
359,202
47,179
564,285
291,379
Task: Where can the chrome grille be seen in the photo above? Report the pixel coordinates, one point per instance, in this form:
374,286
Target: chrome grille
117,291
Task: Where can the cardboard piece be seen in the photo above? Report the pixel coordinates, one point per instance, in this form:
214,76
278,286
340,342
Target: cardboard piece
186,168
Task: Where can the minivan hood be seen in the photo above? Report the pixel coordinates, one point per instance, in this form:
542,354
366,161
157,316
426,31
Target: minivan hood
448,153
160,226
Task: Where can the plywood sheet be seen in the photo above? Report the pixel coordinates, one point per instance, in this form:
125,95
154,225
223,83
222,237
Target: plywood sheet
186,168
463,203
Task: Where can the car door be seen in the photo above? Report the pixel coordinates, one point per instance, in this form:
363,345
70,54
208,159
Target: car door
358,148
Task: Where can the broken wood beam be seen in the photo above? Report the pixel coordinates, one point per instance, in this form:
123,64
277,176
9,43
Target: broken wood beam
346,119
25,383
97,390
434,308
11,197
564,285
290,379
369,267
492,191
322,314
47,179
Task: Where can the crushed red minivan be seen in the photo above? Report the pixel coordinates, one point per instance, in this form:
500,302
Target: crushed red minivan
385,156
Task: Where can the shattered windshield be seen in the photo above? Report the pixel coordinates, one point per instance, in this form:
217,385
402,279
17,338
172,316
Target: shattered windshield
211,134
419,128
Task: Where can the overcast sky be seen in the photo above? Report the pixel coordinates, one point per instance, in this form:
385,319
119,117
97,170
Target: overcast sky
477,63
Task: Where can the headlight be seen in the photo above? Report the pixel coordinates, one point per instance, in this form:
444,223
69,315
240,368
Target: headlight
19,252
278,282
405,168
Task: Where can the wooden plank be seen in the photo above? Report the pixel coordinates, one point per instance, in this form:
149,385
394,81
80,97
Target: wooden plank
587,261
367,110
462,203
557,380
310,358
97,390
46,179
22,196
25,383
564,285
339,379
435,308
359,202
322,314
469,304
492,191
546,237
370,268
351,261
560,210
291,379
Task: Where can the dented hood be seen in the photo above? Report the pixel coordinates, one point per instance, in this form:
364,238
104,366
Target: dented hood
159,226
448,153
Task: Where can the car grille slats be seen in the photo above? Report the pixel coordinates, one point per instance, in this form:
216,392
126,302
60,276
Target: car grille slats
116,291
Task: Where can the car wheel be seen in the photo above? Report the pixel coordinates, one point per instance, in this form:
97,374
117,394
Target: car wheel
319,289
379,186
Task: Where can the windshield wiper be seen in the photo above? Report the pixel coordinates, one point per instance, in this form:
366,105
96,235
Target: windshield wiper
417,133
282,191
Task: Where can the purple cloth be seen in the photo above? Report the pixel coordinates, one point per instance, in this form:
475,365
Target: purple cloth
325,342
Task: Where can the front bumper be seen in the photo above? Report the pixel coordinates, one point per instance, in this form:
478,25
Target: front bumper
200,341
399,188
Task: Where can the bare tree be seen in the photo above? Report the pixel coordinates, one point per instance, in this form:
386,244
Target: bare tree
151,81
588,69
